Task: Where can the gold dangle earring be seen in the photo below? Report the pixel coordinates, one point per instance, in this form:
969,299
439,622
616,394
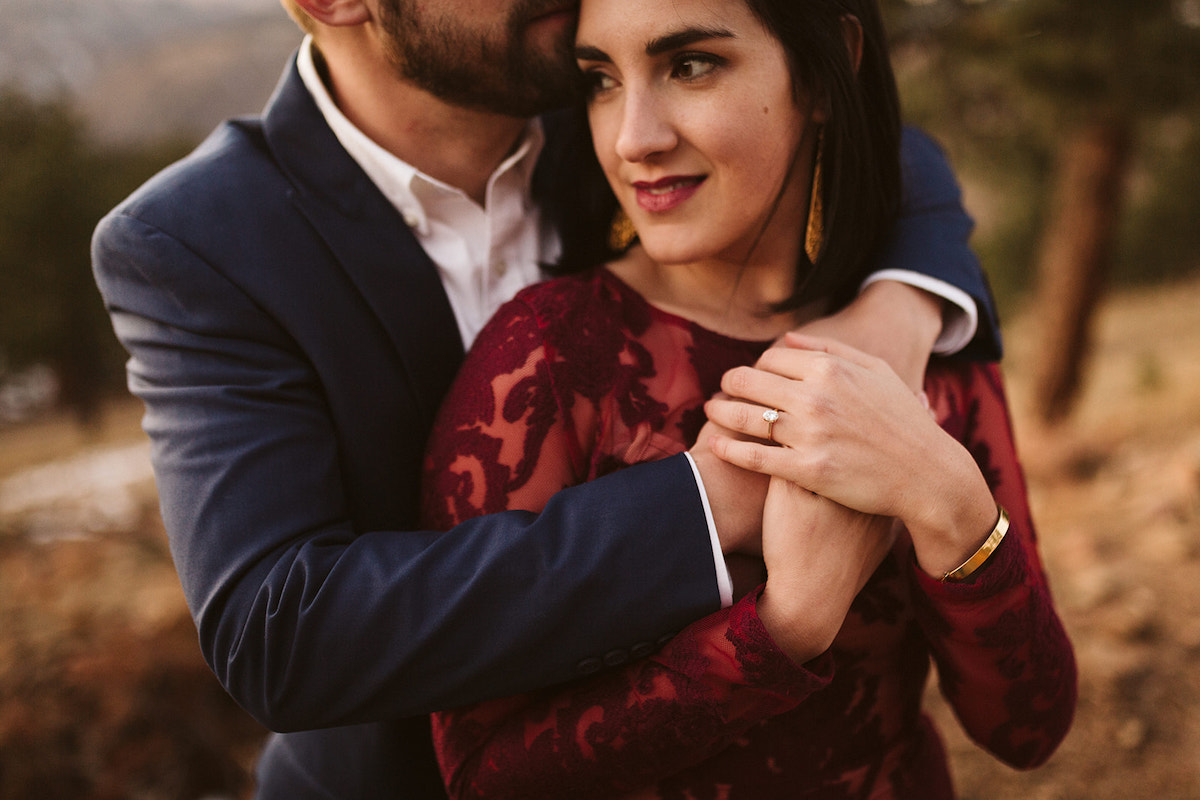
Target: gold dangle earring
622,233
814,235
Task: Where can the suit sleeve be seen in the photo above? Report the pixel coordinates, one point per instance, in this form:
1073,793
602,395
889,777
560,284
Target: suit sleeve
310,621
931,237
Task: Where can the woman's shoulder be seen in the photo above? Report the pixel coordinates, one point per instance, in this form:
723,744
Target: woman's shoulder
576,318
583,305
579,289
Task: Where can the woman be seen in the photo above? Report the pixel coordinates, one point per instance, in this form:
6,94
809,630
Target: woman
709,120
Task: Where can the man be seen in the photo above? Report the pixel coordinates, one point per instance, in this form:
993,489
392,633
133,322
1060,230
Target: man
296,296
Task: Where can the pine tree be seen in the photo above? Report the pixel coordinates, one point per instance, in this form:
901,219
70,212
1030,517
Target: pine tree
1083,79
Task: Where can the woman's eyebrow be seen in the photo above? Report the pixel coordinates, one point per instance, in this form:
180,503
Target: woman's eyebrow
683,38
584,52
660,44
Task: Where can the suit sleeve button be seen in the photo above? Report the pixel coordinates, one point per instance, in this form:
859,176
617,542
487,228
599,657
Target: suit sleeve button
589,666
614,658
641,649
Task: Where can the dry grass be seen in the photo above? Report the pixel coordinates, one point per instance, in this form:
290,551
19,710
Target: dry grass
55,435
103,693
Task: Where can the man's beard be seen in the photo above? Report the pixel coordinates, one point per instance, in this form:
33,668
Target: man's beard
491,70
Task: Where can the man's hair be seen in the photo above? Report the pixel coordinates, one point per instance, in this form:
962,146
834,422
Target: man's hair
306,23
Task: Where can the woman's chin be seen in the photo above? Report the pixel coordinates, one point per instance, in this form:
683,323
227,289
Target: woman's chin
673,249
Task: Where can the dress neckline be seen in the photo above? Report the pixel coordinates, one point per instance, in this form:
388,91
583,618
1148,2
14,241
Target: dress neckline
628,293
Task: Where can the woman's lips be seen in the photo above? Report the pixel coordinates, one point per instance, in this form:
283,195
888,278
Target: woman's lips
666,194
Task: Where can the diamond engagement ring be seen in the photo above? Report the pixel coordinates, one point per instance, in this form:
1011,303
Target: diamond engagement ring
771,416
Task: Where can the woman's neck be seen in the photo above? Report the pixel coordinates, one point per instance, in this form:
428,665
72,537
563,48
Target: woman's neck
735,300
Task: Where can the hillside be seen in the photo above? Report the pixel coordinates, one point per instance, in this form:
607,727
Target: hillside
191,82
147,68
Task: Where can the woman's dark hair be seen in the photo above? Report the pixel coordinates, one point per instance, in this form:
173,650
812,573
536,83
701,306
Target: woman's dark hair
860,155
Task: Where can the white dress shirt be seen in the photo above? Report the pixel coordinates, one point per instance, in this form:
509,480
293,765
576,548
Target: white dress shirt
483,254
486,254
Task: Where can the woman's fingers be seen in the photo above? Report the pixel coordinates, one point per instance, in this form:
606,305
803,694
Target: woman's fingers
783,371
748,419
797,352
766,387
766,459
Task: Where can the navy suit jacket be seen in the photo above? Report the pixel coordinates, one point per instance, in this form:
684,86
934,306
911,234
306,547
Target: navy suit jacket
291,342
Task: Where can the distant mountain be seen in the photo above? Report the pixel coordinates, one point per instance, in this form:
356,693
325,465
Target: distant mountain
146,68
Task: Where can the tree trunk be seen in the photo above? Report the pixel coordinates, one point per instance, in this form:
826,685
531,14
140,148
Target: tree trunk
1074,258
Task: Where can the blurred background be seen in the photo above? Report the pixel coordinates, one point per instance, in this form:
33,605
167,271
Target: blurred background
1075,129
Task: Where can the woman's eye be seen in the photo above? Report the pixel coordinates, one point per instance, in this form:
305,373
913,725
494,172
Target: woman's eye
692,66
595,82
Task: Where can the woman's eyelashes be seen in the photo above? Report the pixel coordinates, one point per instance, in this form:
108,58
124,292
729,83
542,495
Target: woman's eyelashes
694,66
596,82
690,67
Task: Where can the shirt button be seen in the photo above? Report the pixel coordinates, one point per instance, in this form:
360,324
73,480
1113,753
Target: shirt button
412,220
500,267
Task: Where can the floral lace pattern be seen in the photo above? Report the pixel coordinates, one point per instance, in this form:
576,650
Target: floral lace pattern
580,376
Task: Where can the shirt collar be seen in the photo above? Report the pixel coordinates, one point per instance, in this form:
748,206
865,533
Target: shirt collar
397,179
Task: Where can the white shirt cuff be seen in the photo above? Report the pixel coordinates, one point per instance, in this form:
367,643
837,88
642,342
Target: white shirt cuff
724,582
961,317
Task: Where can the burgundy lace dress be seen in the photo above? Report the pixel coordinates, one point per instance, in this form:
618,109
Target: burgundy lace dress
581,376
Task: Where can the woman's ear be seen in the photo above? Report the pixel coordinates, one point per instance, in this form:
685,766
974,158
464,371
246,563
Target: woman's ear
852,32
336,13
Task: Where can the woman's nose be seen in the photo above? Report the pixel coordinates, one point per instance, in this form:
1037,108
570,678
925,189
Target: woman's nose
646,128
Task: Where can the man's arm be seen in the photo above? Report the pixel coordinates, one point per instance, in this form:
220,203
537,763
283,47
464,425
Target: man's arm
310,621
929,294
929,249
893,321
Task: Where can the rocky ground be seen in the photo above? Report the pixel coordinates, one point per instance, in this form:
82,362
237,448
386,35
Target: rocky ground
103,694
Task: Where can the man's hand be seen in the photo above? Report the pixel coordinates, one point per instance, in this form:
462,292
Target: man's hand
735,495
819,555
889,320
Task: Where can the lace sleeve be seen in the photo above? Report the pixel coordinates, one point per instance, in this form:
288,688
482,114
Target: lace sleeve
503,439
1005,663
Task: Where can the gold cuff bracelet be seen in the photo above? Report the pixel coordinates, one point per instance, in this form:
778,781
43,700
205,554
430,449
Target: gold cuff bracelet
984,552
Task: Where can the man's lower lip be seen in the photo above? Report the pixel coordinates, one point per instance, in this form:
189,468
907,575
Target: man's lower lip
658,202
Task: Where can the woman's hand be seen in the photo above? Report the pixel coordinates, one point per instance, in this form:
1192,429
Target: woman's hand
819,555
852,431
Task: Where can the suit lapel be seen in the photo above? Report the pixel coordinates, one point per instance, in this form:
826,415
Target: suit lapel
368,238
